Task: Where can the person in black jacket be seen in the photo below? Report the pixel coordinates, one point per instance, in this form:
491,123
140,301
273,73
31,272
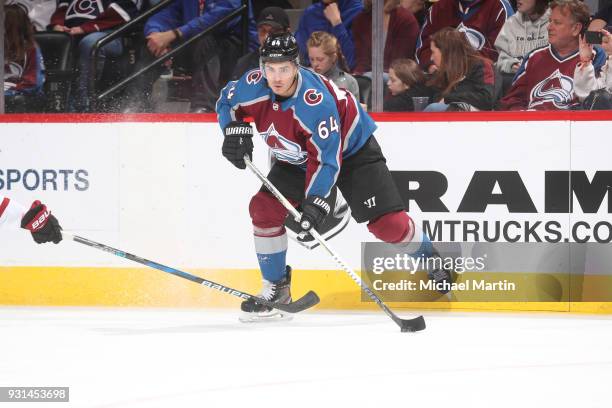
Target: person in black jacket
270,20
463,79
406,80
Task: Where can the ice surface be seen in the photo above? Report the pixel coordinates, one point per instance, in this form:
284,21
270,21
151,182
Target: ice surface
201,358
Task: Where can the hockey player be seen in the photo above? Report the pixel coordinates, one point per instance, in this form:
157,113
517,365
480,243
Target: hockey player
38,220
321,137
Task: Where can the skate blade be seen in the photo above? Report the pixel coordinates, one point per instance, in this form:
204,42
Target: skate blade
266,317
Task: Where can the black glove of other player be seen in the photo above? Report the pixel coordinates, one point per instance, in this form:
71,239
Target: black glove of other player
238,142
314,211
43,226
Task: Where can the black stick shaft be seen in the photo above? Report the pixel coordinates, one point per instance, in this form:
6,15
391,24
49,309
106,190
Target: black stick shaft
309,300
415,324
158,266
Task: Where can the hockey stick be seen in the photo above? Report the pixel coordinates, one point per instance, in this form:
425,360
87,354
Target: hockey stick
406,325
307,301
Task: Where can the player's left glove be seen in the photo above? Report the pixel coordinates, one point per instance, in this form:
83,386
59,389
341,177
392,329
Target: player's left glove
42,224
314,211
238,141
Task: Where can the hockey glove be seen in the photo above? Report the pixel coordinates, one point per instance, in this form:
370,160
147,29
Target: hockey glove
42,224
314,211
238,142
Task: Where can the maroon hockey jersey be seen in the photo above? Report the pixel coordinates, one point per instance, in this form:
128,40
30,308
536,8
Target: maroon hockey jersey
545,81
94,15
480,20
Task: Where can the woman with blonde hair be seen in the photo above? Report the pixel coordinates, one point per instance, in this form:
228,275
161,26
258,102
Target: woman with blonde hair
463,79
406,81
326,58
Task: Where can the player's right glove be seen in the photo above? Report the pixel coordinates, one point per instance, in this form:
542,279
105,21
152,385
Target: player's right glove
314,211
238,141
42,224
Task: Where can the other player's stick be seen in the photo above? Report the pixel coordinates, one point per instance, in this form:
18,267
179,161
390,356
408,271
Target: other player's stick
308,300
406,325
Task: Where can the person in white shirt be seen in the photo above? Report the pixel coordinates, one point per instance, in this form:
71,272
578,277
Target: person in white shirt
523,32
585,78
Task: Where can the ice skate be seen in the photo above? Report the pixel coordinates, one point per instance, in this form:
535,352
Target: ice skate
279,292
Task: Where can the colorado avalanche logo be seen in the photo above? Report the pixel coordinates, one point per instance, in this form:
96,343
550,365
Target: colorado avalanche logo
312,97
475,37
557,89
13,71
88,9
253,77
283,148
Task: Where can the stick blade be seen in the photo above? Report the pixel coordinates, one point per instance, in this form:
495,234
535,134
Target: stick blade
305,302
411,325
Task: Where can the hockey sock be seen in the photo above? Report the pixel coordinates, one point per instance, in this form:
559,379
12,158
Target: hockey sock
417,244
272,255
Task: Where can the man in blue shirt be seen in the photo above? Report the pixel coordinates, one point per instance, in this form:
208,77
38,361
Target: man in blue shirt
332,16
211,59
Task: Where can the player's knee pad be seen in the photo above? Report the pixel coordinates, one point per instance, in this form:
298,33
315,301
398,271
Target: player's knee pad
391,227
266,212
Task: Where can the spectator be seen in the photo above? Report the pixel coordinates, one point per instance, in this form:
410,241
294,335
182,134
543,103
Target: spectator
260,5
39,11
406,80
87,24
270,20
602,19
522,33
211,59
326,59
585,81
481,20
545,79
400,29
417,8
332,16
463,79
23,63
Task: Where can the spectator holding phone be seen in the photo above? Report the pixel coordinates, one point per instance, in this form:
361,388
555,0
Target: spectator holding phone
585,79
545,80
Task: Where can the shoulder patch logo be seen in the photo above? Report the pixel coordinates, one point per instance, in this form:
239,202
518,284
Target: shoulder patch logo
253,77
312,97
84,9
